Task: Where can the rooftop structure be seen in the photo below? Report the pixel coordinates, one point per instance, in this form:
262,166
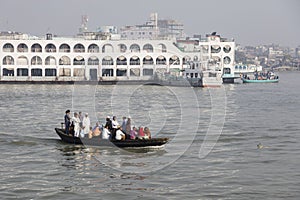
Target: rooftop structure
154,28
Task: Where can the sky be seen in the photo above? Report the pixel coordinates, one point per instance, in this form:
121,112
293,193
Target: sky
249,22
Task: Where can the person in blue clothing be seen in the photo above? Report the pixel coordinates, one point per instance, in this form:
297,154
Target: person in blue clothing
67,121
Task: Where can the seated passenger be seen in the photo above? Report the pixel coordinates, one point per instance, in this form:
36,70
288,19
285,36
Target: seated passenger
133,133
147,133
90,134
141,133
96,130
119,134
105,133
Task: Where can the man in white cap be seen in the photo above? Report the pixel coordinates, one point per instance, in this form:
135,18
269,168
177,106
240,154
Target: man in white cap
108,123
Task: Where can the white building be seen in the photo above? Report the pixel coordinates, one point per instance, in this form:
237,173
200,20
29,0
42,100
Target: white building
79,59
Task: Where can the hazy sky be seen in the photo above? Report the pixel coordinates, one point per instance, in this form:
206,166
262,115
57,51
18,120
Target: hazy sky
249,22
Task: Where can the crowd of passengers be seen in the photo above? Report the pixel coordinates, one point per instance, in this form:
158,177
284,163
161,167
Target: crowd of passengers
261,76
80,126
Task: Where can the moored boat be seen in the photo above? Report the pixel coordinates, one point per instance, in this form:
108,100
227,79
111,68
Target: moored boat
96,141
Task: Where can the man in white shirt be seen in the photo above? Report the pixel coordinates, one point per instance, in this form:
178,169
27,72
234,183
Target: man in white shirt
115,125
76,122
119,134
114,122
105,133
86,123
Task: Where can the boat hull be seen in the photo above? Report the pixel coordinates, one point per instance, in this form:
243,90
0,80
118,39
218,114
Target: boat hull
260,81
96,141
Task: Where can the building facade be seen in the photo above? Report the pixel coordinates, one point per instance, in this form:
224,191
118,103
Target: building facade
78,59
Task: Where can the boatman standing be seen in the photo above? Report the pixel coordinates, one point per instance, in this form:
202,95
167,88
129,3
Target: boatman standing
67,121
115,125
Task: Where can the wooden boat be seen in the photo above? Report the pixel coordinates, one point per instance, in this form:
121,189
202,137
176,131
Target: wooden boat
260,81
97,141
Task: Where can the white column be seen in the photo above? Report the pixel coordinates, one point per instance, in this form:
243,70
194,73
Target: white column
115,71
57,72
43,72
128,71
87,73
99,72
29,71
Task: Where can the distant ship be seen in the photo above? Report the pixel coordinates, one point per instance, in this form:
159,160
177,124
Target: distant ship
107,57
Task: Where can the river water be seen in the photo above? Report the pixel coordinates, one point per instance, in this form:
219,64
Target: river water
212,153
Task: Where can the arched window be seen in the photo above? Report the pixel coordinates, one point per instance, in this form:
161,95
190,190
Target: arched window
204,48
78,60
36,48
93,48
174,60
121,60
8,60
8,47
50,48
162,48
215,49
93,60
36,60
65,60
65,48
216,59
185,60
135,48
79,48
107,48
148,60
227,71
50,60
22,60
135,60
122,48
148,48
226,60
161,60
22,48
107,61
227,49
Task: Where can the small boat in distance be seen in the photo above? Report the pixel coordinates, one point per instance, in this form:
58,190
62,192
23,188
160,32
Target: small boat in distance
260,81
97,141
260,77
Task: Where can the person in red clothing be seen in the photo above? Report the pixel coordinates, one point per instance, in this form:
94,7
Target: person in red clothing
141,134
